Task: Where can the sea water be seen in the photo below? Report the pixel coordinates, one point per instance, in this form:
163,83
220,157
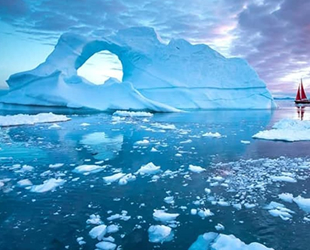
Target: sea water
203,166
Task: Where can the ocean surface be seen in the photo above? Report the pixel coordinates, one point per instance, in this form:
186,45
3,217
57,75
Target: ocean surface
238,182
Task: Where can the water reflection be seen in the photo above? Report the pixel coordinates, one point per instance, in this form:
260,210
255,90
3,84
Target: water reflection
301,110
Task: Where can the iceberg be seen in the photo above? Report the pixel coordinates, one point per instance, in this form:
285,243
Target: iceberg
156,76
224,242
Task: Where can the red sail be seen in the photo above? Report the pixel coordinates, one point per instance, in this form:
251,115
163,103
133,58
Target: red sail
302,92
298,94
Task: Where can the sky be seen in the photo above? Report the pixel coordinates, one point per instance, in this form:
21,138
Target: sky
272,35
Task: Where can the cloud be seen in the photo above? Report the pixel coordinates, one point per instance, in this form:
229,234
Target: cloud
273,37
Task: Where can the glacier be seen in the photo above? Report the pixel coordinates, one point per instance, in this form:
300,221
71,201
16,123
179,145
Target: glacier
156,76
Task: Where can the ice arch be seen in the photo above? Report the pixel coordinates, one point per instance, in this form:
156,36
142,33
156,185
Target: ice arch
156,76
100,67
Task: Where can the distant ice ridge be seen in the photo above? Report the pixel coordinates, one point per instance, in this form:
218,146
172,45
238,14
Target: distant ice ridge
217,241
20,119
287,130
156,76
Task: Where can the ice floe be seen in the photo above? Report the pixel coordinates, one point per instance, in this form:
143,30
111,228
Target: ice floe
24,183
149,169
48,185
303,203
277,209
98,232
287,130
164,217
112,178
94,219
160,233
105,245
88,169
210,134
217,241
21,119
196,169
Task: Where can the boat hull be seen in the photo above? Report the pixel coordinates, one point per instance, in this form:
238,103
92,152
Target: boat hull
302,102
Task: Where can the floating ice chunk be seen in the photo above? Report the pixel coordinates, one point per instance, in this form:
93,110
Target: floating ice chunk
47,185
303,203
286,197
123,216
283,178
284,215
237,206
193,211
169,200
217,241
223,203
105,245
88,169
84,124
127,178
20,119
203,213
207,190
132,114
143,142
94,219
161,215
148,169
57,165
80,241
164,126
154,150
112,178
210,134
245,142
219,227
187,141
160,234
287,130
196,169
24,183
112,229
279,210
54,126
98,232
27,168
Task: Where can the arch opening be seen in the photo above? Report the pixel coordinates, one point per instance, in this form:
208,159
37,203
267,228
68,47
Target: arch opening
100,67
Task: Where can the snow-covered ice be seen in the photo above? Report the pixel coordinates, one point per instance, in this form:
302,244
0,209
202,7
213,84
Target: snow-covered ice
21,119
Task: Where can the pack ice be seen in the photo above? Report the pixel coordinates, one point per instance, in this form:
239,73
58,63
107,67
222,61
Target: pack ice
156,76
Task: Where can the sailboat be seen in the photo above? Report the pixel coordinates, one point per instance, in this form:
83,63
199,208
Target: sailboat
301,97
